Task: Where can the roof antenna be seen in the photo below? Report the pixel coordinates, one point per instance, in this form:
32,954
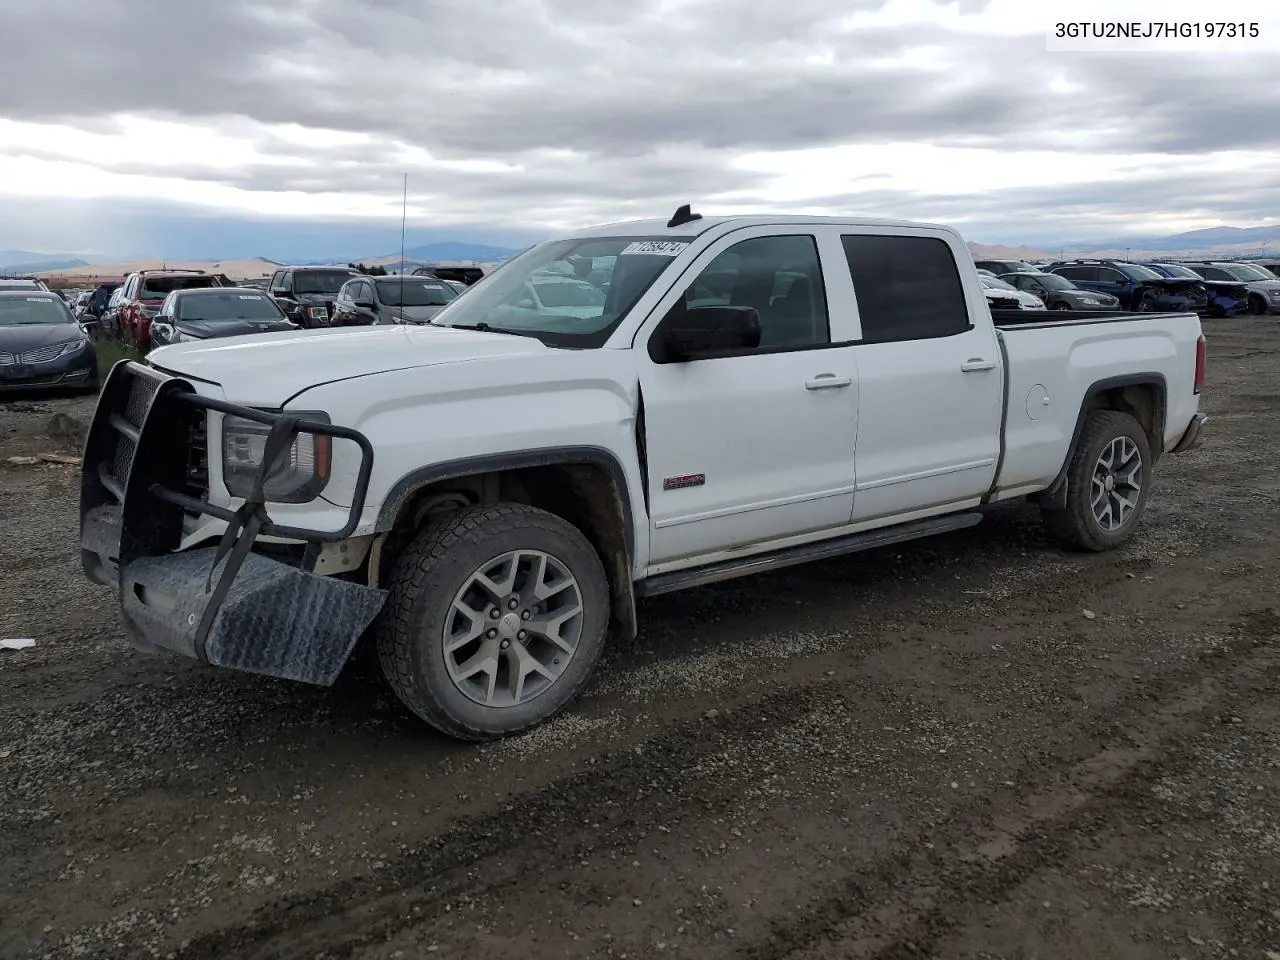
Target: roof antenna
682,216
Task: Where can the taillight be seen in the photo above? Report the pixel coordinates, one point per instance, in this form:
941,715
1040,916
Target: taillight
1200,354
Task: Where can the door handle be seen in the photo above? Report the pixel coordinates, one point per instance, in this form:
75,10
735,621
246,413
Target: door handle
827,381
975,364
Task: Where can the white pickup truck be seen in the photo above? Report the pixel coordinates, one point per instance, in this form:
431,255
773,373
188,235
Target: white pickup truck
486,496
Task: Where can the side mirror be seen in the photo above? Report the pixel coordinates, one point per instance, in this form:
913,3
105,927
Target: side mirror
363,304
688,333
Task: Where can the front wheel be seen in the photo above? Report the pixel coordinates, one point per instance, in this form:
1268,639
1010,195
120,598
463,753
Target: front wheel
1060,305
1257,306
1107,484
496,618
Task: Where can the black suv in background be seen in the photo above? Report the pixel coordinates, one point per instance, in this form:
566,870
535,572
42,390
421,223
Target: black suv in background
306,294
1135,286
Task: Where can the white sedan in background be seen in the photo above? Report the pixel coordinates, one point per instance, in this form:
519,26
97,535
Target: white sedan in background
994,287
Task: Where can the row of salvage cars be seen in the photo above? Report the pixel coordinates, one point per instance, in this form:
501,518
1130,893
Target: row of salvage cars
1208,288
155,308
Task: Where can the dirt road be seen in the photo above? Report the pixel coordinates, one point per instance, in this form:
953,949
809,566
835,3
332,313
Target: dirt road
976,746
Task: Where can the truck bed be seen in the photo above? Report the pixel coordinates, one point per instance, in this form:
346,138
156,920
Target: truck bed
1004,319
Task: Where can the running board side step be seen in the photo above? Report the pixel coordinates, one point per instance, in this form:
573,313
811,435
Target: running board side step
791,556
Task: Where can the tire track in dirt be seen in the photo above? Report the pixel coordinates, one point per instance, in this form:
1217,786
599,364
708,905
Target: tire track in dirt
924,895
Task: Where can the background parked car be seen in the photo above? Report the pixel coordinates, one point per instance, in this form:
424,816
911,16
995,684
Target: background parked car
1136,287
1000,267
110,319
1059,293
398,299
1264,290
41,344
1271,266
22,283
467,275
143,293
199,314
306,294
552,294
1025,300
1226,298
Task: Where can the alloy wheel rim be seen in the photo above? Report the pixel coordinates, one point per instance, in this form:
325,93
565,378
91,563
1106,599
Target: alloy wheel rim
513,628
1116,484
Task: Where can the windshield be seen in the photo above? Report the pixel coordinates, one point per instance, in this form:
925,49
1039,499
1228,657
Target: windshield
1136,272
232,305
1179,271
994,283
414,292
562,291
22,310
1246,271
157,288
320,281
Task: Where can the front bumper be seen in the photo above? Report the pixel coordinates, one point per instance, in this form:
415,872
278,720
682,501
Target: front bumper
65,373
1192,436
141,477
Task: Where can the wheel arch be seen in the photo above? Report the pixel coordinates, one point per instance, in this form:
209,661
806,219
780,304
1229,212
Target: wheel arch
1144,396
584,485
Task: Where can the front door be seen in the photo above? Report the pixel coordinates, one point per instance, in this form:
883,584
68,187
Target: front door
759,445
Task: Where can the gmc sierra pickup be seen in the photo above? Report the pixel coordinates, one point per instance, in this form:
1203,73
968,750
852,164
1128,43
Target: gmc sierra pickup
486,496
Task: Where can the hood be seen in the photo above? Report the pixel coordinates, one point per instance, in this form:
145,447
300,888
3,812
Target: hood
314,299
417,314
1261,285
20,337
232,328
269,368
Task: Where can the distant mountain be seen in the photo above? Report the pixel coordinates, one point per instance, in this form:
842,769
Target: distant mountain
479,252
25,261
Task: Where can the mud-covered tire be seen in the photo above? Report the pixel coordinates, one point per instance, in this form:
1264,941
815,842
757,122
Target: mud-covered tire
439,562
1077,526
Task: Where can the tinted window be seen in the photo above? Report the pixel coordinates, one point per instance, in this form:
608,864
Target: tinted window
780,278
157,288
1079,273
908,288
16,311
1215,273
414,292
319,281
1107,275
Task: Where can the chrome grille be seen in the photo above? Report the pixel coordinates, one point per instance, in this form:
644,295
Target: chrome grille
6,359
43,354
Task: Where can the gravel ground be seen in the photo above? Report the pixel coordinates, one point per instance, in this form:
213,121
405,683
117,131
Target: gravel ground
971,747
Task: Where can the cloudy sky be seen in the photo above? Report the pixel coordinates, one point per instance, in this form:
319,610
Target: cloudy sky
274,127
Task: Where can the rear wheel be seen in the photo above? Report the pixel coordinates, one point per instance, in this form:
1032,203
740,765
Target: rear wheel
1107,484
496,618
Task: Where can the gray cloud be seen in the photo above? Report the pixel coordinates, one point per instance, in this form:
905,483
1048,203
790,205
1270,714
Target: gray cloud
617,106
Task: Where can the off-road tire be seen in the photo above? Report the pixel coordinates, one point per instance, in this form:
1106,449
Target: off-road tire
433,568
1075,526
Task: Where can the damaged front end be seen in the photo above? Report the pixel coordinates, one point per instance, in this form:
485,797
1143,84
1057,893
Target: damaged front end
145,475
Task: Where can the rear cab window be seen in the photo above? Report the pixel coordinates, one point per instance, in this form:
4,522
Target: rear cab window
907,288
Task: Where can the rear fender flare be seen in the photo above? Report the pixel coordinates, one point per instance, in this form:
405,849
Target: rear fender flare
1054,496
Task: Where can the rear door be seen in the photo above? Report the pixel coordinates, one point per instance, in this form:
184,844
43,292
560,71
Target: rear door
755,446
929,375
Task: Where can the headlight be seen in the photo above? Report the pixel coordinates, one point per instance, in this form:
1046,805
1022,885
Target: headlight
318,313
1274,294
298,475
73,346
1091,301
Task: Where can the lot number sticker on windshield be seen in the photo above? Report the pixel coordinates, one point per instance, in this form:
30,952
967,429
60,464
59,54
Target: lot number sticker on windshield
655,248
250,297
